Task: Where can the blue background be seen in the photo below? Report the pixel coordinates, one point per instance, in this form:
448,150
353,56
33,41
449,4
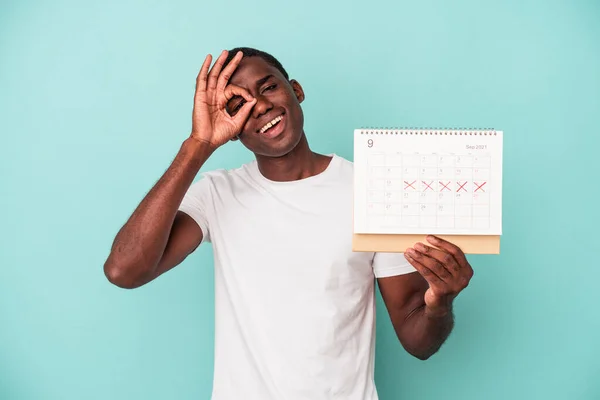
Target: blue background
96,98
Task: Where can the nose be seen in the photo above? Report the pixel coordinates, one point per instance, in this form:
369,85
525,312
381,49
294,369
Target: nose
262,106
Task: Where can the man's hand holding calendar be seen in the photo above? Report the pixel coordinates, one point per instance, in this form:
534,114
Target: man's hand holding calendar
445,268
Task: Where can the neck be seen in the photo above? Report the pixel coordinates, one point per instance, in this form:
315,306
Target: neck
300,163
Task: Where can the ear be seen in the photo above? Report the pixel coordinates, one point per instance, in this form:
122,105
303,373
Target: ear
298,91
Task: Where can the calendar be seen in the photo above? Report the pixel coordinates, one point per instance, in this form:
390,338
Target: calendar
428,181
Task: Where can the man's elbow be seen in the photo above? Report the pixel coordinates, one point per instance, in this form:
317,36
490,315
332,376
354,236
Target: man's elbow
420,352
121,276
421,355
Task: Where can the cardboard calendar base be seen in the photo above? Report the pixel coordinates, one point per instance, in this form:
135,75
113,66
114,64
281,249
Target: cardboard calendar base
388,243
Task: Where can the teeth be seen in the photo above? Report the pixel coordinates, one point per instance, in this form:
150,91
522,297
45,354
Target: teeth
270,124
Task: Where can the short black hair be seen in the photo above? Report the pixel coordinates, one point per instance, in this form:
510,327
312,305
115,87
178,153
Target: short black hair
251,52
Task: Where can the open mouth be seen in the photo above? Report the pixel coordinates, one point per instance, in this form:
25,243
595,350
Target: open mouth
273,127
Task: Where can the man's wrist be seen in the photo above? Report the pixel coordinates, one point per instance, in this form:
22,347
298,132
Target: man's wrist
198,149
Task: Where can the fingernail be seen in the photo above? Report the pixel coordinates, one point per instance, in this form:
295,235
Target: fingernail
420,246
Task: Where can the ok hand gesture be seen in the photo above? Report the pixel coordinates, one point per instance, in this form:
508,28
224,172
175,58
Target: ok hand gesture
211,123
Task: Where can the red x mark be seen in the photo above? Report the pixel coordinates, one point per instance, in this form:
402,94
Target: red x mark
409,185
428,185
479,186
461,187
445,186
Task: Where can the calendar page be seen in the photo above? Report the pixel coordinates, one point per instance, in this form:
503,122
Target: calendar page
428,182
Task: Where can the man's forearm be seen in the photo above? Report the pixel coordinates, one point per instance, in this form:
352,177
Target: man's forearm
423,332
139,244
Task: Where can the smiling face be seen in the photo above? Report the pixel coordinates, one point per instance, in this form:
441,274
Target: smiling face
275,124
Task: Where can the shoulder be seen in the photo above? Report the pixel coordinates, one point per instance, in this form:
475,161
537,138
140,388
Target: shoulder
342,167
343,162
222,180
223,175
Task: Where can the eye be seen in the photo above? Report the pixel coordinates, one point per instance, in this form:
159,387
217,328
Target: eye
270,87
236,107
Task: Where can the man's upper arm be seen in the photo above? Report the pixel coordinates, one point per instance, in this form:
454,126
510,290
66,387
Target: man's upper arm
402,294
190,227
402,288
184,238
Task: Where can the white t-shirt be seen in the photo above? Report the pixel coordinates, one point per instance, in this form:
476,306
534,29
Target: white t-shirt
295,306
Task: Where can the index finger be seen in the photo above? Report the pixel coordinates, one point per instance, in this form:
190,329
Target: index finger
233,90
444,258
450,248
225,75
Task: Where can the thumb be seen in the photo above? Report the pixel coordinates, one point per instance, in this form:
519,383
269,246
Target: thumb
430,298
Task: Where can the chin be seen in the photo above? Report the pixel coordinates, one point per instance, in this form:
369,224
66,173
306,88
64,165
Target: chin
281,148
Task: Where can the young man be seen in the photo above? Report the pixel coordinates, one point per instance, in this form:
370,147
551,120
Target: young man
295,307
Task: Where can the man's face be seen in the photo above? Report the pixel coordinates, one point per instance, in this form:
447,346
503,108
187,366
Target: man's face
275,124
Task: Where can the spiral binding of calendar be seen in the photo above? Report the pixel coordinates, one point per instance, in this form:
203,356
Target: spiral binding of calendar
429,131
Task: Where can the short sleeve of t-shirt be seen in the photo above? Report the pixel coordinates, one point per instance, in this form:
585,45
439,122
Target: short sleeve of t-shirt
195,204
390,264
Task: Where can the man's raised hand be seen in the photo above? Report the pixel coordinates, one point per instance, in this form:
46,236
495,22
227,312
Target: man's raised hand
445,268
211,123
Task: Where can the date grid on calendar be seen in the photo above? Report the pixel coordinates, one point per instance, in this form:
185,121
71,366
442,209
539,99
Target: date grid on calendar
429,190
